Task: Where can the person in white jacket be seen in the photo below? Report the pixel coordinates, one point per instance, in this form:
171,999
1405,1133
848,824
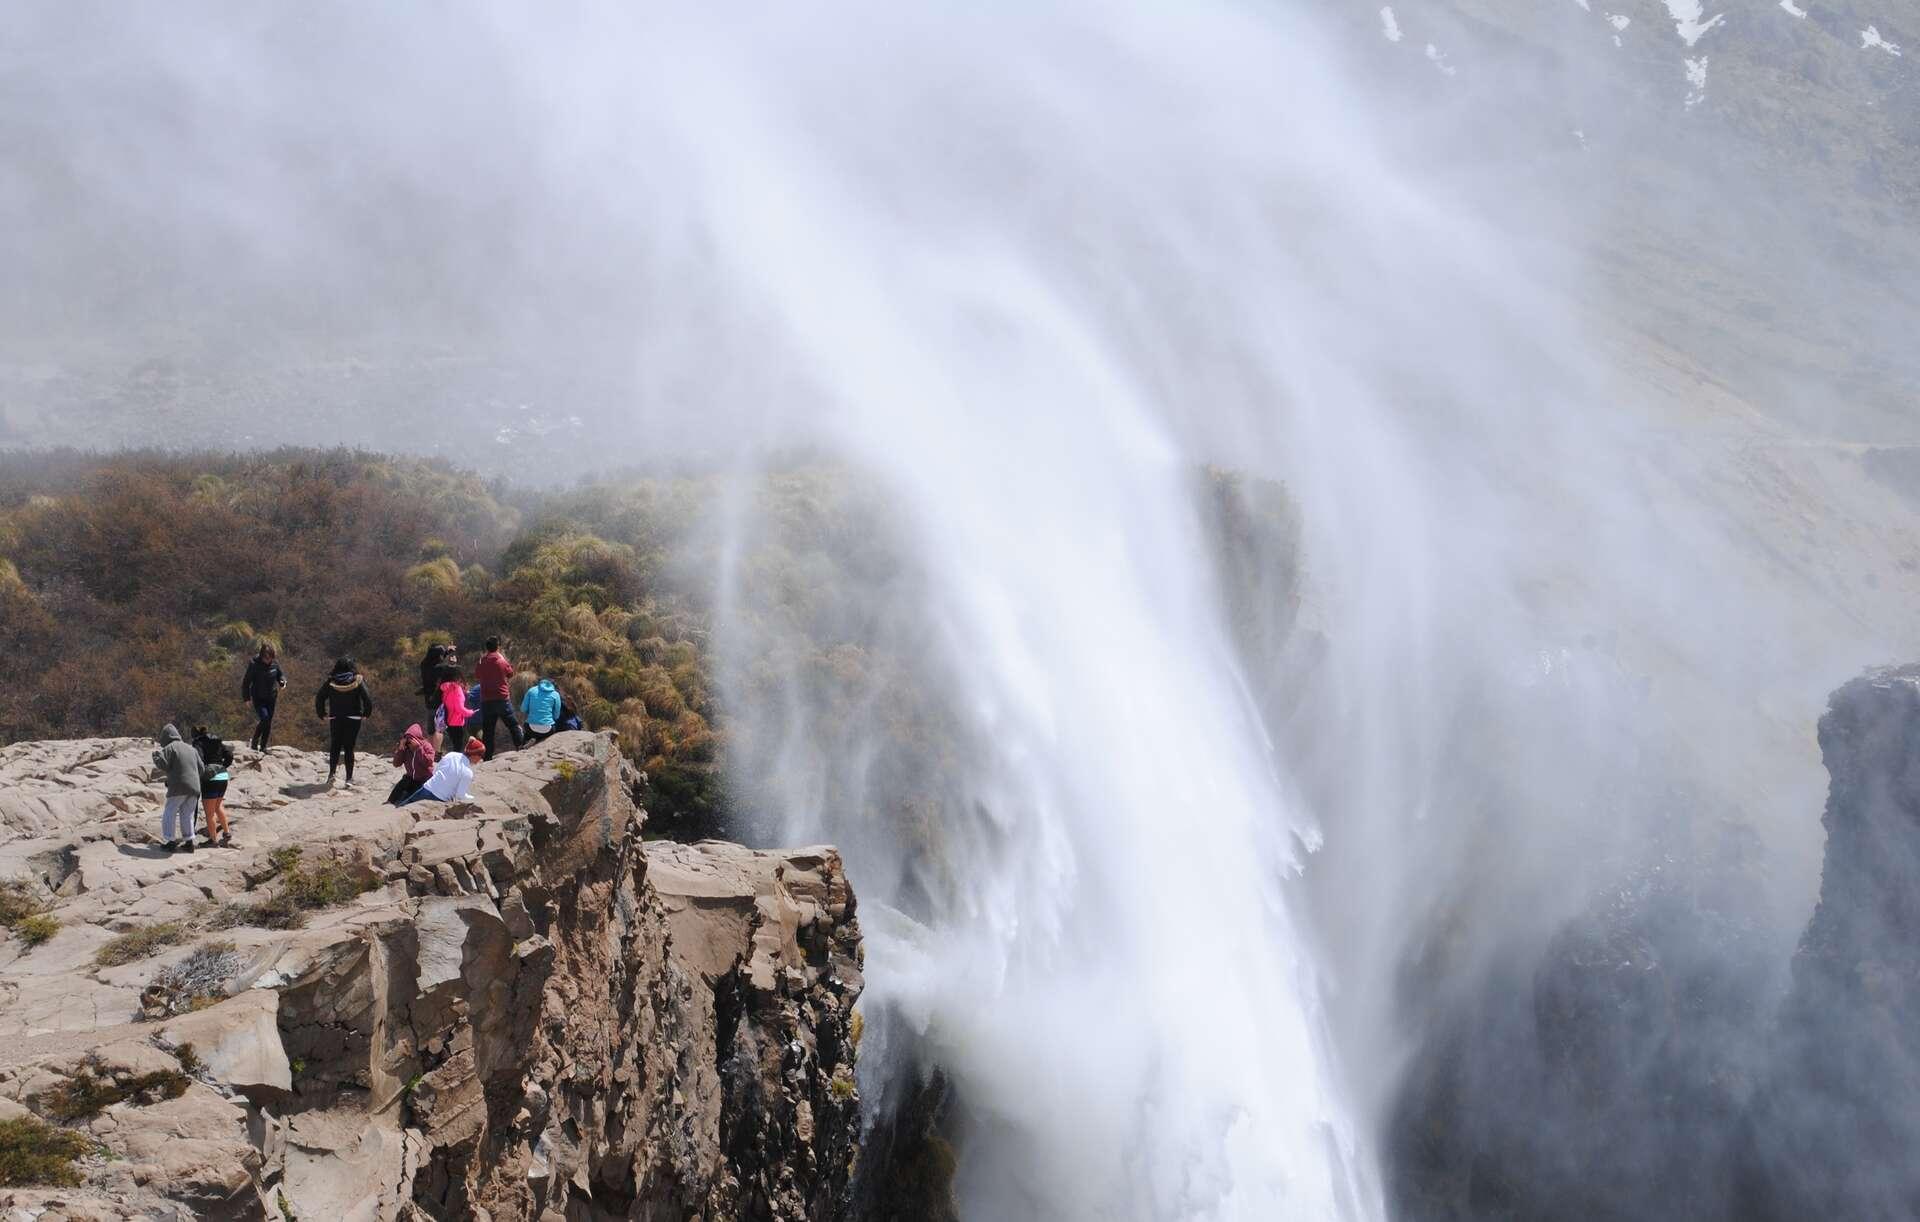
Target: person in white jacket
452,781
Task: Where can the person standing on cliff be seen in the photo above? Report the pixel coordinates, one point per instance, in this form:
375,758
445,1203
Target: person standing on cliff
438,656
260,688
343,701
215,760
179,764
496,696
454,714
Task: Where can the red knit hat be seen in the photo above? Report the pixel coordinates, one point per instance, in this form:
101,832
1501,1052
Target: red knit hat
476,750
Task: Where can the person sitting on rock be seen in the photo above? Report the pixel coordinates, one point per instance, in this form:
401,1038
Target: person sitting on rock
541,707
215,759
260,689
452,781
343,701
415,757
496,695
179,763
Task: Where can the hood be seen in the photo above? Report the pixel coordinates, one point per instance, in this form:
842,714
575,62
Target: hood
415,733
343,680
168,734
546,685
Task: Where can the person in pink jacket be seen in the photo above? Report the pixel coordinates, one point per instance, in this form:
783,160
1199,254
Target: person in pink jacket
453,705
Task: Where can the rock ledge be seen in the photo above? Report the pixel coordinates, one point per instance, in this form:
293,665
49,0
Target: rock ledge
527,1012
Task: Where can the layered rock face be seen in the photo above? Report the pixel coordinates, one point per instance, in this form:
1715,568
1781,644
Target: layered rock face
1835,1129
510,1007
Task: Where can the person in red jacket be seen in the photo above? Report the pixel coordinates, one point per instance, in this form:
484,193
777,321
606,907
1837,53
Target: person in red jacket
496,695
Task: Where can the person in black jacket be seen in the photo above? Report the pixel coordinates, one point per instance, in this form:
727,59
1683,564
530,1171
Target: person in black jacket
343,700
261,688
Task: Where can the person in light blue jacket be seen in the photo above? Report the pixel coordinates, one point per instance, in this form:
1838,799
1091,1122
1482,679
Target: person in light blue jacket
540,708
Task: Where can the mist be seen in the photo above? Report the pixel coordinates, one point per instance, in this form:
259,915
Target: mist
1580,540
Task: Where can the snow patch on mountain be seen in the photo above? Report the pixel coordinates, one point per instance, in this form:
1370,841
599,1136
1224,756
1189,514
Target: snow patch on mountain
1696,81
1686,20
1870,38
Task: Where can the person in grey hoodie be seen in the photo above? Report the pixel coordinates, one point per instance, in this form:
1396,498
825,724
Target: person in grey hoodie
180,764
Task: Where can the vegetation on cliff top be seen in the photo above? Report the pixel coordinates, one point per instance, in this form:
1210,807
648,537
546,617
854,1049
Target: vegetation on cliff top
133,588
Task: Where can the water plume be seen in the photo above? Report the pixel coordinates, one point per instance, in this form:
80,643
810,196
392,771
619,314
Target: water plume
1186,893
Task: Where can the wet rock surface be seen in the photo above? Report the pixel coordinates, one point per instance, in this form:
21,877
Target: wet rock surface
511,1007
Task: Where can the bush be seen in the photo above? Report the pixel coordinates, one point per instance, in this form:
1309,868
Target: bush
138,943
300,889
194,982
34,1154
87,1093
20,898
320,886
36,929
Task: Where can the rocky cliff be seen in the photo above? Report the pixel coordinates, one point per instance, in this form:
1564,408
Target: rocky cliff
510,1007
1638,1068
1835,1126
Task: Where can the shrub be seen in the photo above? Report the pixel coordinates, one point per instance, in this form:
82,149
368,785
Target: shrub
34,1154
194,982
320,886
841,1085
19,898
440,576
87,1093
138,943
301,888
37,928
274,912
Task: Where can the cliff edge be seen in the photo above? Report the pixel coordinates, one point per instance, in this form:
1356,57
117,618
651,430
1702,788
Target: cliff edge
511,1007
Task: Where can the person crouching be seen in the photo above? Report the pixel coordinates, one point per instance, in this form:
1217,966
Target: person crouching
415,758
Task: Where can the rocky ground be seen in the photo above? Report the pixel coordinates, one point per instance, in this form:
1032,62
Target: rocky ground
510,1007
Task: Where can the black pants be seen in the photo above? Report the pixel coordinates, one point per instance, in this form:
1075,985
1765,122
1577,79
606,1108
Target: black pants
263,727
457,737
403,789
346,732
492,712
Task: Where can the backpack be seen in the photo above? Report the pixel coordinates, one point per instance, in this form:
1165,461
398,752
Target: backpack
569,717
215,757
